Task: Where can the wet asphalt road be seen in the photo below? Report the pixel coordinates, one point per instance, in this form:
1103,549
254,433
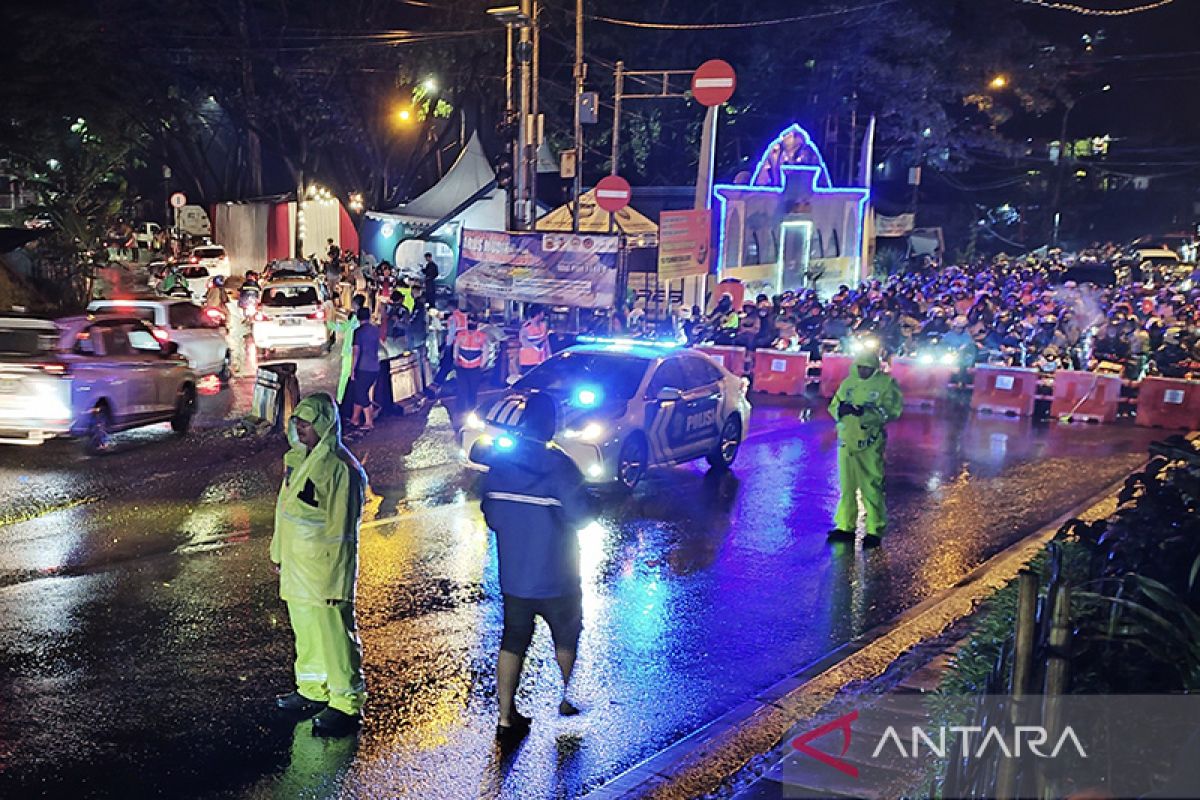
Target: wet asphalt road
141,640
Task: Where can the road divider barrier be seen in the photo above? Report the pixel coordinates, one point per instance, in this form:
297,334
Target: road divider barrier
1168,403
921,384
1085,396
402,384
276,393
730,357
835,367
777,372
1011,391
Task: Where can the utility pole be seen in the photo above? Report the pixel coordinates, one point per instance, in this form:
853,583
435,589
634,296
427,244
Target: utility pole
618,88
253,147
535,117
520,169
577,182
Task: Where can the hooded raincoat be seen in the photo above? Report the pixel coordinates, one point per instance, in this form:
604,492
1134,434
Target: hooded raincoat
315,544
861,440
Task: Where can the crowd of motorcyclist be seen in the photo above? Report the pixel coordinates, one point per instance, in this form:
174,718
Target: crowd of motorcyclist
998,313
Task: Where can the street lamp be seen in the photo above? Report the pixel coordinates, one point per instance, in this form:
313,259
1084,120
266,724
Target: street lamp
1069,106
429,85
519,18
404,115
998,82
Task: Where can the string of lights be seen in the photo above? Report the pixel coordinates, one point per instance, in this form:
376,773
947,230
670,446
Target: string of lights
1097,12
718,26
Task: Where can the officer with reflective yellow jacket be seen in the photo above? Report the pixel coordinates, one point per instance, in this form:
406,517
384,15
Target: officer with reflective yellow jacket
315,547
865,402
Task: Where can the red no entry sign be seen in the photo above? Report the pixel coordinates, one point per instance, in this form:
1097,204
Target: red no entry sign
613,193
713,83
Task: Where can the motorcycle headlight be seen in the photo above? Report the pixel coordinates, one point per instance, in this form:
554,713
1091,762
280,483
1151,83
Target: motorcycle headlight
590,432
474,422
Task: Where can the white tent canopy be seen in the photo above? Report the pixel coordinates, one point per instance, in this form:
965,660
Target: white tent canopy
470,174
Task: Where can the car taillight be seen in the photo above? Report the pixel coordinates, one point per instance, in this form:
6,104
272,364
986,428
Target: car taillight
54,369
260,317
318,314
162,335
194,260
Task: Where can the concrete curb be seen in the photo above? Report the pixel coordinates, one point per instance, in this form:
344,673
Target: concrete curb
699,763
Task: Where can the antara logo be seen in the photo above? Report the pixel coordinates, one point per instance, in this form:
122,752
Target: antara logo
976,742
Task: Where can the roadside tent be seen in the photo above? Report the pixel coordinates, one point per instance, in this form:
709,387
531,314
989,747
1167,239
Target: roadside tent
466,197
640,231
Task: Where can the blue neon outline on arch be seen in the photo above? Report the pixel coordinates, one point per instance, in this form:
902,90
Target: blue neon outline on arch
814,173
808,142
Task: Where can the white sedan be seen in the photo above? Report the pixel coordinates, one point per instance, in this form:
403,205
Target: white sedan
625,407
292,314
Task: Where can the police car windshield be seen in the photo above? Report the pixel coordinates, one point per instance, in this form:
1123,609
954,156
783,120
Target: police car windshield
618,375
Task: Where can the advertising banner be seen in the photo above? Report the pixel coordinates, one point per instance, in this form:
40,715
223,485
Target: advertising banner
683,244
898,225
552,268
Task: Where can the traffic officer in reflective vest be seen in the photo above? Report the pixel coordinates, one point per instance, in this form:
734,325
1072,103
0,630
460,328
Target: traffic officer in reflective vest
865,402
470,354
535,339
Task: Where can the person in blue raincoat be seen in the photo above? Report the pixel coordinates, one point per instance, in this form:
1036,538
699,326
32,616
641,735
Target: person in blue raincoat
315,547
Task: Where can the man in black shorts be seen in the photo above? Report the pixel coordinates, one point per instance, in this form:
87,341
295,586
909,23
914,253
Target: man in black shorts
533,499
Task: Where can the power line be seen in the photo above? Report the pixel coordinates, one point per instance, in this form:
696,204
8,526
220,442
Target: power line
1096,12
718,26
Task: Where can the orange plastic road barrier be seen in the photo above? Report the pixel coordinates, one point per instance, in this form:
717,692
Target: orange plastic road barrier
776,372
1085,396
728,356
1005,390
1169,403
834,369
921,384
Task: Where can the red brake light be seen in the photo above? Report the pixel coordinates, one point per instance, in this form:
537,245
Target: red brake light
260,317
194,260
162,335
318,314
54,369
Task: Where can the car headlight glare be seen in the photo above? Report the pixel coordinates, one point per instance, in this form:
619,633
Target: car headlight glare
590,432
925,358
474,422
949,359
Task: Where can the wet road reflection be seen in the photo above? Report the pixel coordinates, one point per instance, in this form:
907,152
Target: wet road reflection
152,662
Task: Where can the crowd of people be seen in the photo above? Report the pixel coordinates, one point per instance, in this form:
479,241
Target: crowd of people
1016,314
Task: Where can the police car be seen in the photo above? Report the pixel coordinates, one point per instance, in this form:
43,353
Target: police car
626,406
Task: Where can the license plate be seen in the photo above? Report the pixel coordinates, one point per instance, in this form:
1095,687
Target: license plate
287,321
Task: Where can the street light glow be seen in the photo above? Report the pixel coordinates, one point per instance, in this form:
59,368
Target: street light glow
999,82
429,85
405,115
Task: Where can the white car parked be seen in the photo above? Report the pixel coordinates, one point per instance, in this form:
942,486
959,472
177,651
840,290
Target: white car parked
292,314
88,377
200,338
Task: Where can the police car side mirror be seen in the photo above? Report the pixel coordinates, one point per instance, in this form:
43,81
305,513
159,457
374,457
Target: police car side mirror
669,394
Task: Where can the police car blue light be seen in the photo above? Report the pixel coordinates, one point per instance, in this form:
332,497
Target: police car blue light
504,442
625,406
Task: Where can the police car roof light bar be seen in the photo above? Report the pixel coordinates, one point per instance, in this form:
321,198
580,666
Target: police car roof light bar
664,344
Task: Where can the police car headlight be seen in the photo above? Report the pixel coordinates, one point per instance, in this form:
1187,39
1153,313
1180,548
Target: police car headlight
474,422
591,432
925,358
949,359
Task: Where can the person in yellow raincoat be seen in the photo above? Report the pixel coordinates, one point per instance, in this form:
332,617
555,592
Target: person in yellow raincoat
345,330
865,402
315,547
